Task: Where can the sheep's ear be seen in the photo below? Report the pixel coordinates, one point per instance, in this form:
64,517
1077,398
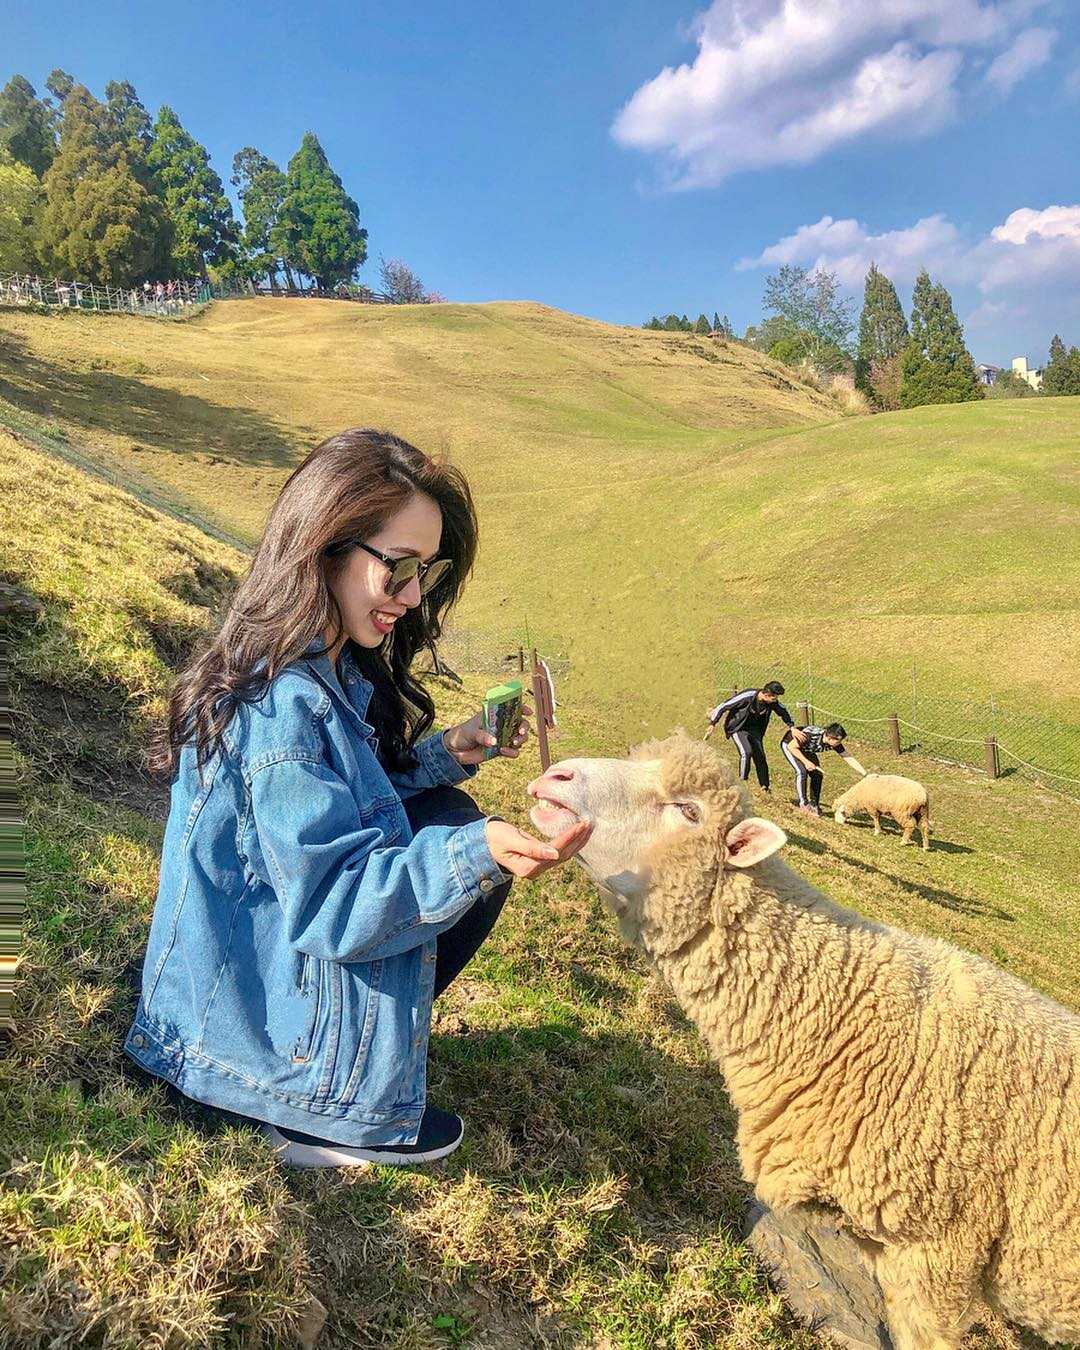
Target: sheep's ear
752,841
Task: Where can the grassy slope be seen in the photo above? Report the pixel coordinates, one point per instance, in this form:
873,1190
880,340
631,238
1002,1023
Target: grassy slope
596,1198
649,501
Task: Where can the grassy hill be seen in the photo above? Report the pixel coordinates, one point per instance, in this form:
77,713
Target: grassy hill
653,505
596,1199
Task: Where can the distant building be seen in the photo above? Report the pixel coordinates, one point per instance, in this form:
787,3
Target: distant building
987,374
1021,368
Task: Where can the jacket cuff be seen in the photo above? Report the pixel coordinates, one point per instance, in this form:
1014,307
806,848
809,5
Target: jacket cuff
476,869
439,764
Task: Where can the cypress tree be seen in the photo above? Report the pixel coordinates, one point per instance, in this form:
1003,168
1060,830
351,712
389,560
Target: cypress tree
100,223
883,333
21,202
27,125
937,367
204,229
318,228
716,328
1062,374
702,325
261,188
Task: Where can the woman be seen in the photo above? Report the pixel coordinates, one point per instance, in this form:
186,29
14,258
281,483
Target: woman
322,879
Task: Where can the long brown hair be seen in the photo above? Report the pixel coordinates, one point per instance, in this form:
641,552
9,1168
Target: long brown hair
345,491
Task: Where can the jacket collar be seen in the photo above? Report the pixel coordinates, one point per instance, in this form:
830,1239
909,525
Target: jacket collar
352,687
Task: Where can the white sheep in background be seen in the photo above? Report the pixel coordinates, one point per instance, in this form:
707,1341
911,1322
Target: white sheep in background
930,1098
887,794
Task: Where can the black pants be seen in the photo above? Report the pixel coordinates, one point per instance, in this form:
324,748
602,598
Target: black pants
751,748
807,781
458,945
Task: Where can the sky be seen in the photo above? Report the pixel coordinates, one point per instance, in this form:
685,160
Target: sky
627,158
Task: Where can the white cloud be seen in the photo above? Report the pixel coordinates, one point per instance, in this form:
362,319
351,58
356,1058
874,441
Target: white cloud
1030,50
1054,222
1032,253
847,248
785,81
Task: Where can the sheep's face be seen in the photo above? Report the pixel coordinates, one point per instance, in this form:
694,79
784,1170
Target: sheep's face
671,803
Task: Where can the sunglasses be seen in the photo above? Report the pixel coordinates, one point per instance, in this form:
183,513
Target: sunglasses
402,570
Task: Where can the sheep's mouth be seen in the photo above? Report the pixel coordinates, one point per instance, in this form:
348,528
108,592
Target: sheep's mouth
551,816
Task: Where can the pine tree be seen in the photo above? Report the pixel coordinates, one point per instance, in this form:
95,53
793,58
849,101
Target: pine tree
716,328
100,223
27,125
318,229
204,230
261,188
883,335
937,367
21,203
1062,374
702,326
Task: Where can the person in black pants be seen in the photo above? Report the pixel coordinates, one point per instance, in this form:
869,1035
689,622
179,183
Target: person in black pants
746,716
803,758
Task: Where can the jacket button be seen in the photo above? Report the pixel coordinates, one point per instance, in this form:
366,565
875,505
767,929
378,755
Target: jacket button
138,1040
486,884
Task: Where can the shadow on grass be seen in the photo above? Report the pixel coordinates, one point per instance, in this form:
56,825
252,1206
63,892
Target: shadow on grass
890,827
105,400
946,899
90,738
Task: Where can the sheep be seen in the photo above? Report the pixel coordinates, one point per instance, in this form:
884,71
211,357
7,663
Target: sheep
887,794
926,1098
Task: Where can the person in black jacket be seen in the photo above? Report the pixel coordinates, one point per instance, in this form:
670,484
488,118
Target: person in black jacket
746,716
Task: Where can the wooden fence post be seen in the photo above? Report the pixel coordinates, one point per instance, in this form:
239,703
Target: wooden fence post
993,768
521,659
894,733
804,714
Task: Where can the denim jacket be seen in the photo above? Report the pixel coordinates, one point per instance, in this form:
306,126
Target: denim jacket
291,958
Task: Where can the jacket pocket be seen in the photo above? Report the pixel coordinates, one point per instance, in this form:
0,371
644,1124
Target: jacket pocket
310,984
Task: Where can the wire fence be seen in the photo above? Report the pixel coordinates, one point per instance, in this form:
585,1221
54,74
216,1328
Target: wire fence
160,299
919,717
467,651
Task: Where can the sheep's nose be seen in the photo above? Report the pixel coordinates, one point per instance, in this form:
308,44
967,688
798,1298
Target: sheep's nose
563,772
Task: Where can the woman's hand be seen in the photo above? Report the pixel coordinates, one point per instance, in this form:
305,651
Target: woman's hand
469,742
526,856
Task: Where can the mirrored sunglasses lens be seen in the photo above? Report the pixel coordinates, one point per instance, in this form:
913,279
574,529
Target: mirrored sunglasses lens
404,571
437,569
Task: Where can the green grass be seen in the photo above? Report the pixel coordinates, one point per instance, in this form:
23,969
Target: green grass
596,1199
650,503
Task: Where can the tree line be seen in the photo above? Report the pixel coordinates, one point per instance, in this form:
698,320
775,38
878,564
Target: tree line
100,191
894,362
672,323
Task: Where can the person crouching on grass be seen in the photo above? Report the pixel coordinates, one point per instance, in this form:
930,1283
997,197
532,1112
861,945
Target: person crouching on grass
802,755
322,878
746,717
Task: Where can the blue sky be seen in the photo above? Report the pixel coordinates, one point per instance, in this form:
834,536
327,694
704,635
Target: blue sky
624,159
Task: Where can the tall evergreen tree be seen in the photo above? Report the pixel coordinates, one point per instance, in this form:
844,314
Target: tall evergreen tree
702,325
883,333
936,367
204,229
318,228
27,125
131,125
60,84
21,203
260,185
1062,374
716,323
100,223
